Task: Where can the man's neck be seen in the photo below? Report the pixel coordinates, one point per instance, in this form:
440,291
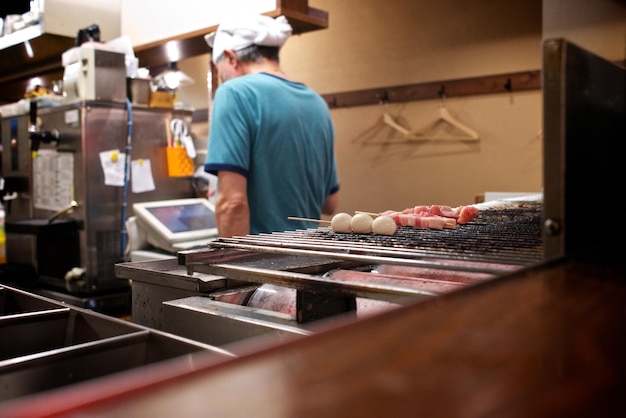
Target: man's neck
270,67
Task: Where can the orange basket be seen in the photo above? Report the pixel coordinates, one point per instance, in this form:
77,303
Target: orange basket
178,162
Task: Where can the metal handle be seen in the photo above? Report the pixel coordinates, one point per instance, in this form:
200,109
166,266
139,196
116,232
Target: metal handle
70,207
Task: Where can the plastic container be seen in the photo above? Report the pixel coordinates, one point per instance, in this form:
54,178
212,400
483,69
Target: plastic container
178,162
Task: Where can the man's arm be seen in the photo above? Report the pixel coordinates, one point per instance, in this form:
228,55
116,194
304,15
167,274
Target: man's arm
330,206
231,207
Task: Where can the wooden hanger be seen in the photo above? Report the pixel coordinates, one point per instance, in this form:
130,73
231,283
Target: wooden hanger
385,120
390,121
445,116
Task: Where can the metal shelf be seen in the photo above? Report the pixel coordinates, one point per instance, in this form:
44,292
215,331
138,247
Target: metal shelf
21,36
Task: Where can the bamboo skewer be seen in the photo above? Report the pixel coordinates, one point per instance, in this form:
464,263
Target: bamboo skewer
367,213
295,218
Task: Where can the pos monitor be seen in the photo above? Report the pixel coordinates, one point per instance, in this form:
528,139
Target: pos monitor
175,225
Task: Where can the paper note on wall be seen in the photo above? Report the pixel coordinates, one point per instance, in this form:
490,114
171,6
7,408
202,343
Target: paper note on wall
141,175
53,179
112,162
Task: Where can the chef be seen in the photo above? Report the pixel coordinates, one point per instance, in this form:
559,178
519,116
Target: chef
271,140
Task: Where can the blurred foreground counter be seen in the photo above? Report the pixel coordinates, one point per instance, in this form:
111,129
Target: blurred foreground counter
546,341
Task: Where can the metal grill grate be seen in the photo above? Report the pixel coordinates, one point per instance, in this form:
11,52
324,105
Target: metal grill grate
507,234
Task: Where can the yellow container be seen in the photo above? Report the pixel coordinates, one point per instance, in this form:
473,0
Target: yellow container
162,99
178,162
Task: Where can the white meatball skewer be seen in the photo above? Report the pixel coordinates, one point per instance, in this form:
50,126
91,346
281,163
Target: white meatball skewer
360,223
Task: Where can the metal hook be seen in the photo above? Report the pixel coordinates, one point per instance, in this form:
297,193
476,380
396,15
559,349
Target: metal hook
442,95
383,98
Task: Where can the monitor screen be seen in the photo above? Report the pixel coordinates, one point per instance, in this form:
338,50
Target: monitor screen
184,217
171,224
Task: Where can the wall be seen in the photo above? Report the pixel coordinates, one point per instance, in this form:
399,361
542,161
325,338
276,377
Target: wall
377,44
398,42
598,26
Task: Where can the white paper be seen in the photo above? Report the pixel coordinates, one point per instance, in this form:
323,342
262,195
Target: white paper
141,175
53,179
112,162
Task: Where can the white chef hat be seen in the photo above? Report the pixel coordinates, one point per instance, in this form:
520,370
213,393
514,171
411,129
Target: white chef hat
242,31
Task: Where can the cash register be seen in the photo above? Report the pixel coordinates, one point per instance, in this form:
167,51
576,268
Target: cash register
174,225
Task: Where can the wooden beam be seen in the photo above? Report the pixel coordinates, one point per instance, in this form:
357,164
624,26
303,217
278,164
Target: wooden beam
490,84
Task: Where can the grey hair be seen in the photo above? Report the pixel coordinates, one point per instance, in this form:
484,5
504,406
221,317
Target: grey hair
256,53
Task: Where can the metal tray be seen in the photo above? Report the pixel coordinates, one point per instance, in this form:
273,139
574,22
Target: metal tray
45,345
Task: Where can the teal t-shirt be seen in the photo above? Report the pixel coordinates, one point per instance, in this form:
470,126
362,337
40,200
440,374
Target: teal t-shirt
280,136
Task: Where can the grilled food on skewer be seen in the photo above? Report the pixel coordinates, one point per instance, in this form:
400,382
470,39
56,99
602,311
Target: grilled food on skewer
361,223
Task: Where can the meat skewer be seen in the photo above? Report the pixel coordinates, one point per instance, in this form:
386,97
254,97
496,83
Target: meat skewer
434,216
431,217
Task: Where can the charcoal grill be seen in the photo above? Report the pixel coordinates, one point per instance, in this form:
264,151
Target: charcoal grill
336,271
305,276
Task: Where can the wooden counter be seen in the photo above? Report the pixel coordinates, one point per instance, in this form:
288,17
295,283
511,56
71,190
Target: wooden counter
546,341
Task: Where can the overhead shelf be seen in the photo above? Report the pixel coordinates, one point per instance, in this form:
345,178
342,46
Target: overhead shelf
21,36
16,67
53,34
50,39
